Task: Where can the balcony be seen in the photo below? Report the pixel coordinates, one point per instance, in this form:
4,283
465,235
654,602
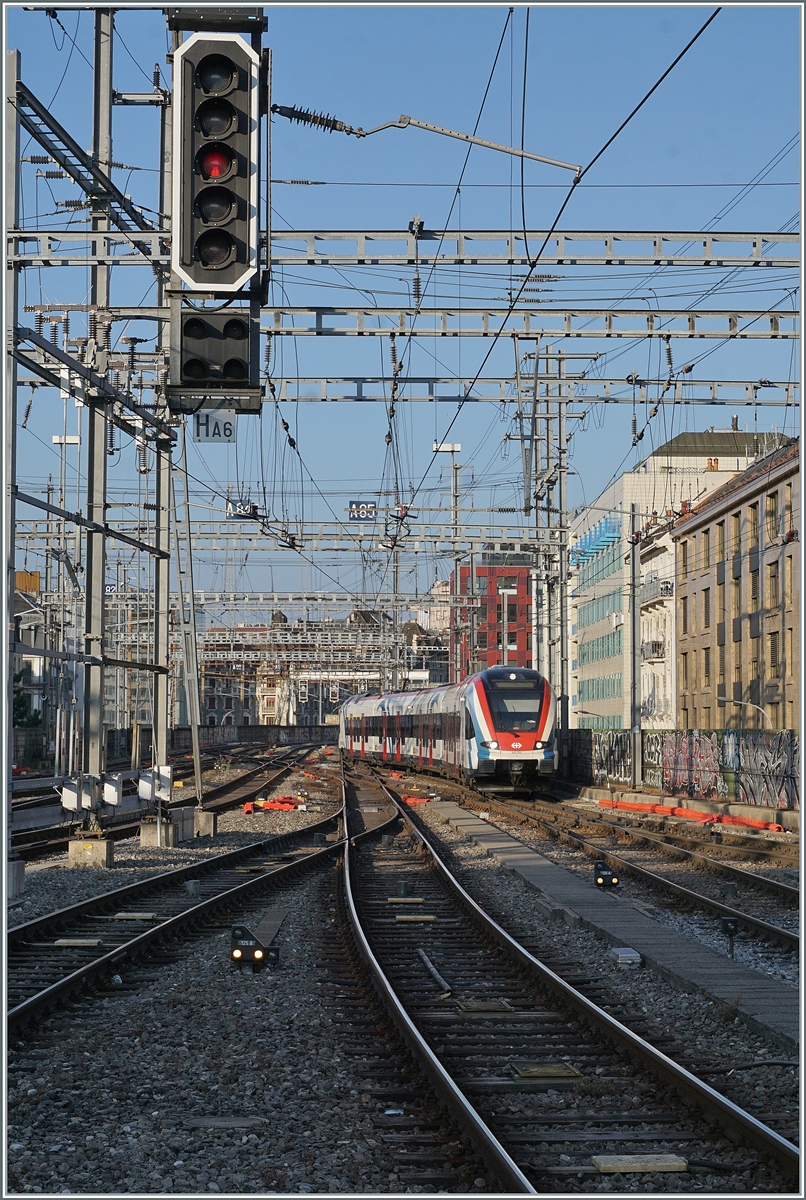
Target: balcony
653,651
656,589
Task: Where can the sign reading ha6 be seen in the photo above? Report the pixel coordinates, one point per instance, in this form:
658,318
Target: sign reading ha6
218,426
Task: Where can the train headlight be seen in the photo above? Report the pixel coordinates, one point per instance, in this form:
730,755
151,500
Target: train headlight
490,745
538,745
237,953
258,954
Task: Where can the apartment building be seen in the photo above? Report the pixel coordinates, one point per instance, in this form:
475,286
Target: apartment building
497,627
737,566
668,482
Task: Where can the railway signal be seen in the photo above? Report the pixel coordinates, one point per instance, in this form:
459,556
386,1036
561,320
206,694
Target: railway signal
217,347
216,116
604,876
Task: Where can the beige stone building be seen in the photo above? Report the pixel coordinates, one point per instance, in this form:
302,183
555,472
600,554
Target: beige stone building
737,569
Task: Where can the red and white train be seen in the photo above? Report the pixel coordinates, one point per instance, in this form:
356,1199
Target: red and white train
497,726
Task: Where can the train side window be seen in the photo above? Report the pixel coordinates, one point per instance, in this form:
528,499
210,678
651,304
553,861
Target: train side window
470,732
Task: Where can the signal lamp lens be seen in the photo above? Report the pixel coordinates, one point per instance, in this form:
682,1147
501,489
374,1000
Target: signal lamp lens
215,161
216,205
599,879
194,368
237,953
258,954
216,74
614,880
216,118
235,328
234,368
195,328
215,248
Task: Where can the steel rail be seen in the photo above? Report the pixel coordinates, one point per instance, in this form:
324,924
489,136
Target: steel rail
78,979
783,936
468,1119
772,885
738,873
679,841
739,1124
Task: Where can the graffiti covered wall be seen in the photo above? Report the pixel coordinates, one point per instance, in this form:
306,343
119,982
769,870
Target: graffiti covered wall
732,766
601,756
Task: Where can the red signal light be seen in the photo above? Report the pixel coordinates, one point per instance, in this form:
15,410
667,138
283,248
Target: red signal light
215,162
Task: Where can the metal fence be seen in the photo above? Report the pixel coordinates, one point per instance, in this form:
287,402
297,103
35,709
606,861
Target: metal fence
734,766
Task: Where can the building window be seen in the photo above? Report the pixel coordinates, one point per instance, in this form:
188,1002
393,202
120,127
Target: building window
772,516
481,641
773,590
706,608
752,521
228,702
736,588
737,674
753,669
788,508
684,670
720,601
684,559
695,680
788,580
774,652
790,660
775,715
721,657
706,667
706,718
694,612
706,549
211,701
754,591
736,533
685,719
720,541
684,613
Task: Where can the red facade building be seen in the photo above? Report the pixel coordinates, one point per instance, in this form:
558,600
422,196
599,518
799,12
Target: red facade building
477,643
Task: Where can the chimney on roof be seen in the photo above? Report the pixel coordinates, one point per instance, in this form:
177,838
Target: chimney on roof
734,423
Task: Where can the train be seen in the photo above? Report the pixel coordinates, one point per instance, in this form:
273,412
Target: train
496,728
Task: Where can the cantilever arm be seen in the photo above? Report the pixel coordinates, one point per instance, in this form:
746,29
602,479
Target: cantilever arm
467,137
334,125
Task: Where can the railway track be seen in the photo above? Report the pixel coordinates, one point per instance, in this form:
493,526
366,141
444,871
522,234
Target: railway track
57,956
783,894
495,1029
776,913
53,838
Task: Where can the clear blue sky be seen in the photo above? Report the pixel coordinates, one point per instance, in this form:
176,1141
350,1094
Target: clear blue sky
724,114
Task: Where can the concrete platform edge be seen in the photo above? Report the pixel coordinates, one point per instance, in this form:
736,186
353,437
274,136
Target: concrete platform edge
552,909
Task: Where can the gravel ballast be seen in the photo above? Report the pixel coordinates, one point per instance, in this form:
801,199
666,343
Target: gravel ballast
708,1030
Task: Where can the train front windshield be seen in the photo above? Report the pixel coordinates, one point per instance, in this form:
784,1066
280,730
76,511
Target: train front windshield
514,703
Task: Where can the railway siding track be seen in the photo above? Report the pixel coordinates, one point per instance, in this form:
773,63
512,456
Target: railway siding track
782,936
498,1021
59,955
227,795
